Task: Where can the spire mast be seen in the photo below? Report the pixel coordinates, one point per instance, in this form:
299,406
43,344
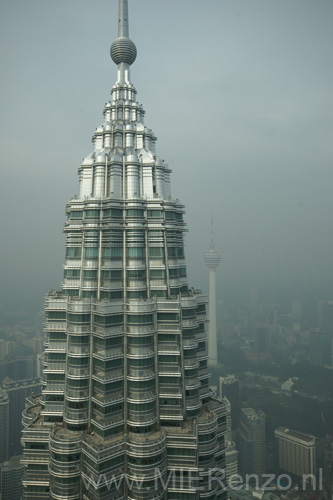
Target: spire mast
212,244
123,28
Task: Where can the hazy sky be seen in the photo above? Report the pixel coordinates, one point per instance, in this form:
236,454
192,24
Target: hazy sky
239,94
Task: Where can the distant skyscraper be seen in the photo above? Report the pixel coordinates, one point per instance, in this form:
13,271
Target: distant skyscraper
324,351
252,442
262,338
11,473
17,393
325,316
125,383
229,388
212,260
296,309
321,348
4,425
296,452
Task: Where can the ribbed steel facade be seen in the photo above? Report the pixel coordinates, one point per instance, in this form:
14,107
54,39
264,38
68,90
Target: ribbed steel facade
126,411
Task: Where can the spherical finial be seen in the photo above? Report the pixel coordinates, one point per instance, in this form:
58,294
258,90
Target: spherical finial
123,50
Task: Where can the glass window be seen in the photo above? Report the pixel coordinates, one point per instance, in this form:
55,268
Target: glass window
136,274
91,252
57,336
154,213
76,361
140,340
141,406
75,214
94,214
56,356
168,359
82,340
140,318
135,252
189,332
157,273
114,274
158,293
115,319
169,380
112,252
90,273
55,377
72,273
112,295
113,212
140,294
156,252
167,337
172,251
185,452
188,313
142,384
79,318
89,294
134,212
56,315
77,382
180,252
101,343
167,316
73,252
140,362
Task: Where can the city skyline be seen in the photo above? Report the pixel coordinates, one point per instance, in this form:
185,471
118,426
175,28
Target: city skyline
267,148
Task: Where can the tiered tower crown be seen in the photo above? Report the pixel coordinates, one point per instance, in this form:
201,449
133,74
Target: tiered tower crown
123,164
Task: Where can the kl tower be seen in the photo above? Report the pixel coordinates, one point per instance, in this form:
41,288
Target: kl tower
212,259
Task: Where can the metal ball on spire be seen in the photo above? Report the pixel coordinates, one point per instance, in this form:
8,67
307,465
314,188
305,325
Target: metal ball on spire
123,50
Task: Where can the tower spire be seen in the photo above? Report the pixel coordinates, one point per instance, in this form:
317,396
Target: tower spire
212,259
123,26
123,50
212,244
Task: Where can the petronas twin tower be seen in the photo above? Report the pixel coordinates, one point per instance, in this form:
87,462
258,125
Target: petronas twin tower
126,411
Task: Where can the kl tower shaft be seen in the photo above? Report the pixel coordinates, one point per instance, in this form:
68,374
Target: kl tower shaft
212,260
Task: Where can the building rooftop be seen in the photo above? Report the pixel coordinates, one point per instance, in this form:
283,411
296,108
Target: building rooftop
297,435
229,379
253,414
